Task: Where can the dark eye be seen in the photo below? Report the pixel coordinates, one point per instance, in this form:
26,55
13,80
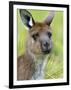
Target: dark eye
49,34
35,36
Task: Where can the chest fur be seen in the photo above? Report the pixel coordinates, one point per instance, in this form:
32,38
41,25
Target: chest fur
40,64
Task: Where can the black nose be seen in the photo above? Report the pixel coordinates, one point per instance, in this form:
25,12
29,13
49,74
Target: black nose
46,44
45,48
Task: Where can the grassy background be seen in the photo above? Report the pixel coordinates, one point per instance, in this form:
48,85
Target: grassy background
54,67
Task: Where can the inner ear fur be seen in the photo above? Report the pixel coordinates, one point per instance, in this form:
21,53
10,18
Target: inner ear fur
49,18
26,18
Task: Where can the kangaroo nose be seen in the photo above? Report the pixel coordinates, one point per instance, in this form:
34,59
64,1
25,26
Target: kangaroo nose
46,44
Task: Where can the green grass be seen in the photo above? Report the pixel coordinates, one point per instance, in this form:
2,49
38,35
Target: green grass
54,67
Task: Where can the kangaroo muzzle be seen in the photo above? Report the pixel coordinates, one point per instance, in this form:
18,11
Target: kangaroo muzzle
46,43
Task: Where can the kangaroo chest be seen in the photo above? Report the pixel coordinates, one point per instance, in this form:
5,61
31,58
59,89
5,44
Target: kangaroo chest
39,69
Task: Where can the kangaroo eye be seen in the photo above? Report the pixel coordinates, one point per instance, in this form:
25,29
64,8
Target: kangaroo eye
35,36
49,34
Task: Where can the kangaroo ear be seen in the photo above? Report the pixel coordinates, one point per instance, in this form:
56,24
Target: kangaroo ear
49,18
27,18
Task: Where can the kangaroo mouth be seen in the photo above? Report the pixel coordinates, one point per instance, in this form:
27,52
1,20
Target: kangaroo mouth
46,51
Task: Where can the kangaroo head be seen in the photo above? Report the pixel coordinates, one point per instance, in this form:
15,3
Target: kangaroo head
40,35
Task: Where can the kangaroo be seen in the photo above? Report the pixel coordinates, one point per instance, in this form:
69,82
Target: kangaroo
30,65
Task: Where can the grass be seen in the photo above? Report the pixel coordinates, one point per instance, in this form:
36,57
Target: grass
54,67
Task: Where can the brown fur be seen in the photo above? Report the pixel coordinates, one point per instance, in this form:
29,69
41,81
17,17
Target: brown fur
25,67
39,27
